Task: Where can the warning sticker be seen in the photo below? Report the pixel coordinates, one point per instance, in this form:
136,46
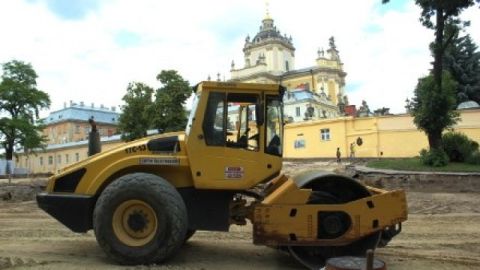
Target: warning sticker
159,161
233,172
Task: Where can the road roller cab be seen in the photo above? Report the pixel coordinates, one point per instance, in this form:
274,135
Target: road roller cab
145,198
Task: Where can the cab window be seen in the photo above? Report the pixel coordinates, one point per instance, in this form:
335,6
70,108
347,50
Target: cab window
230,121
214,120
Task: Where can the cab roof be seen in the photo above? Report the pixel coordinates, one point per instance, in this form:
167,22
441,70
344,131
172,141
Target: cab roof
254,87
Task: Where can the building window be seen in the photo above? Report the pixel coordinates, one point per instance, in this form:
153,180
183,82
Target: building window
325,134
299,143
287,68
297,111
50,160
77,157
67,159
77,129
41,161
59,159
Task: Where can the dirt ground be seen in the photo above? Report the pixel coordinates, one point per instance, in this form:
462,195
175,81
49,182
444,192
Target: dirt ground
442,232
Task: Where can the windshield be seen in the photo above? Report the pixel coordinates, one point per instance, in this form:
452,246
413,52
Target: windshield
196,98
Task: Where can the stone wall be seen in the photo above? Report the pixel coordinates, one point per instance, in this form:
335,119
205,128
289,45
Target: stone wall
416,181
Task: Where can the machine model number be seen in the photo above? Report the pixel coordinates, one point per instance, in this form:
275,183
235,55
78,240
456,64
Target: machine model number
159,161
135,149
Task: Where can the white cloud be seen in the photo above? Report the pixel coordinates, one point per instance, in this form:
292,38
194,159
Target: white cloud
384,52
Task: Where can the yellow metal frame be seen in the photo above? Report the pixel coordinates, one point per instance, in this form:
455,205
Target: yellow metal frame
116,162
208,163
273,223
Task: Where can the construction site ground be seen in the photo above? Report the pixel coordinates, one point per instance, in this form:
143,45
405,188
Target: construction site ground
442,232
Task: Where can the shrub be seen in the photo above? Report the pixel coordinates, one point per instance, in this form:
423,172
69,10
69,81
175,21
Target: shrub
474,158
458,146
434,157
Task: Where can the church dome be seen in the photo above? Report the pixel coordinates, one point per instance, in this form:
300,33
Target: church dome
269,33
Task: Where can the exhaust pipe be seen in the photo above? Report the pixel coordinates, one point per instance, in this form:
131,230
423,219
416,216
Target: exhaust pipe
94,145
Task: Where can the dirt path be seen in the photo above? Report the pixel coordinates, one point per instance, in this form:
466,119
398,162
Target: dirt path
442,232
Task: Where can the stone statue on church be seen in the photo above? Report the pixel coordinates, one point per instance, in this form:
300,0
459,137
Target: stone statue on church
331,43
364,110
321,53
332,51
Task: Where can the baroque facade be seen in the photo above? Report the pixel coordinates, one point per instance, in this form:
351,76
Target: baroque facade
314,92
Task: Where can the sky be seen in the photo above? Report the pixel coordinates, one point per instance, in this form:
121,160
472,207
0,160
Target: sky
90,50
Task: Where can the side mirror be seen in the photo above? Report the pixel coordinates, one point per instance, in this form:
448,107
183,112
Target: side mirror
260,113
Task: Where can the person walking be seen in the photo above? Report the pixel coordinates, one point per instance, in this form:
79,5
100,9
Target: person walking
338,155
352,150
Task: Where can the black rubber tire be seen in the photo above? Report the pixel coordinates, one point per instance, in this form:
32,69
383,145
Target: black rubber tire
165,201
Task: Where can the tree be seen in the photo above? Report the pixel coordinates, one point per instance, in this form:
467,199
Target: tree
170,114
164,111
433,110
462,60
136,117
445,12
20,104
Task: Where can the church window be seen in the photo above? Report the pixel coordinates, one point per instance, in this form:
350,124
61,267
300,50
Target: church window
297,111
287,68
50,160
325,134
77,157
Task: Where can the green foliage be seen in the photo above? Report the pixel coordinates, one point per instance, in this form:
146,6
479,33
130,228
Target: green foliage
161,109
474,158
170,114
444,12
433,108
137,113
20,104
435,157
447,9
458,146
462,60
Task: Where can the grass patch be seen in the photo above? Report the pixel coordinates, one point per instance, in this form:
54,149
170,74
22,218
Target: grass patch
414,164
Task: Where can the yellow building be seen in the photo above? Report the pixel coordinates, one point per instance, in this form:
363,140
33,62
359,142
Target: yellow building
67,133
58,156
70,124
314,92
379,136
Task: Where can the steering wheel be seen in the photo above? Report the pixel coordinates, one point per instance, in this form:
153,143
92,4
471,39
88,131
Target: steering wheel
254,137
